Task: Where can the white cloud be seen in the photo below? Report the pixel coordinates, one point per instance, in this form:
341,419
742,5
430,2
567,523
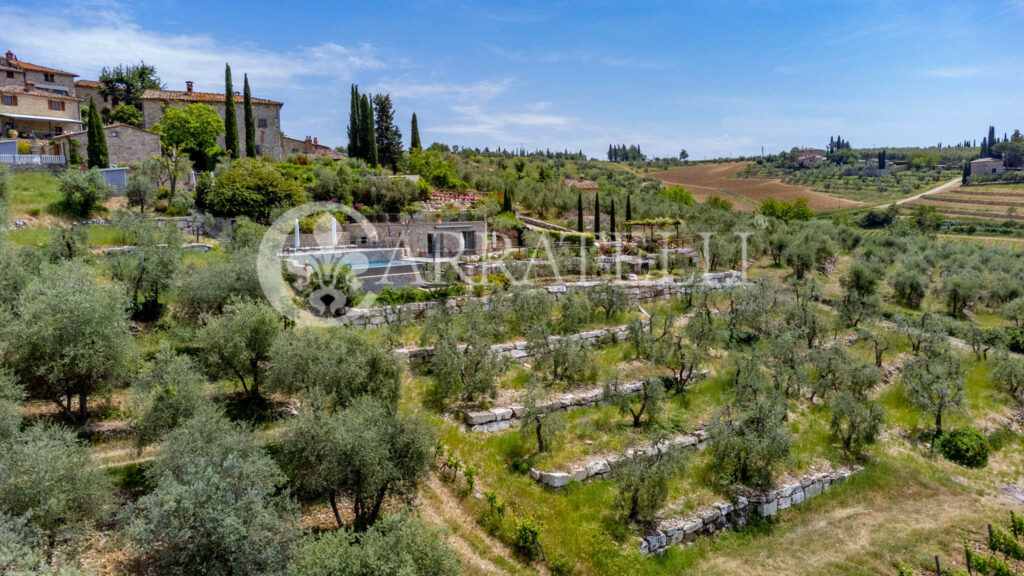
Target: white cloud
95,35
953,72
481,91
505,127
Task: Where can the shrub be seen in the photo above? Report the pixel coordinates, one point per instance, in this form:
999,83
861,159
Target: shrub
966,446
24,147
81,190
253,188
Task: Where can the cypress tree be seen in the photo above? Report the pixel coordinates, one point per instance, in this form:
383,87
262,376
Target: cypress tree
984,148
967,172
389,137
579,213
597,214
97,140
230,120
991,139
355,125
629,216
414,138
611,214
367,136
250,122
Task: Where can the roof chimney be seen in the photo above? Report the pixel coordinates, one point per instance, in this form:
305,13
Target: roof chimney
10,56
188,86
315,143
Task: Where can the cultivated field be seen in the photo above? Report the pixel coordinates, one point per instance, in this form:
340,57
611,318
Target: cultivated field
994,202
745,193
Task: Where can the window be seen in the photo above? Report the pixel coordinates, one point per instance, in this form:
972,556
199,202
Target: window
469,240
58,130
10,74
47,77
113,134
10,100
258,149
57,105
261,122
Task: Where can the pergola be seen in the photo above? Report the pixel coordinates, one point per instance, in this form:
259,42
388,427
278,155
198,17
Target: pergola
648,225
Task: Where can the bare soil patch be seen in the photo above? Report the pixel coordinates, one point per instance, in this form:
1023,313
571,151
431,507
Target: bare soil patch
716,180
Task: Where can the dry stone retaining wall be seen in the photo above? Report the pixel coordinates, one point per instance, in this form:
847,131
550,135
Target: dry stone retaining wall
636,292
603,466
519,350
724,515
505,417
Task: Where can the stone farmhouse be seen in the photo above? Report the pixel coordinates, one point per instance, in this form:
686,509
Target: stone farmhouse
581,183
126,144
36,102
267,115
86,89
987,166
310,147
811,156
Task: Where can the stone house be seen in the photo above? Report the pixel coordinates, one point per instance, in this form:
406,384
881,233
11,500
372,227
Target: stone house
35,101
85,89
811,156
126,144
310,147
421,237
983,166
267,114
581,183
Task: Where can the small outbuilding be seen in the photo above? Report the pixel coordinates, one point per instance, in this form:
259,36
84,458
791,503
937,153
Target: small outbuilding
985,166
126,144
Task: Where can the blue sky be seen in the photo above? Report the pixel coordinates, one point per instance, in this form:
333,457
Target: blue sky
714,77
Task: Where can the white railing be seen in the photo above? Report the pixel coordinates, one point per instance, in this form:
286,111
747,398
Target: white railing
41,159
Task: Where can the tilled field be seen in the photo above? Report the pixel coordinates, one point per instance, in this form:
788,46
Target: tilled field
745,193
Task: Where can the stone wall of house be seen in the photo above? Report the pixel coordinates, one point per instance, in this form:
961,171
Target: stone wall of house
724,515
125,145
637,293
268,138
604,466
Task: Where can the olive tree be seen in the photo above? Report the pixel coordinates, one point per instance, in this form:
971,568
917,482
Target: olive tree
642,485
909,286
365,453
340,361
561,359
218,507
68,336
539,421
48,475
147,267
398,544
238,342
167,392
749,439
11,395
609,298
650,399
1008,374
935,382
464,366
24,551
202,289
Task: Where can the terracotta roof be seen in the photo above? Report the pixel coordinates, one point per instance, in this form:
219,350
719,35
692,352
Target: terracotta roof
87,83
19,90
211,97
36,67
107,127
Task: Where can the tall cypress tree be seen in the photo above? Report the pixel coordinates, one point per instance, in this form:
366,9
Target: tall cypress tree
230,120
355,125
597,214
579,213
991,139
414,138
984,148
611,214
629,216
96,146
389,137
506,201
367,136
250,122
